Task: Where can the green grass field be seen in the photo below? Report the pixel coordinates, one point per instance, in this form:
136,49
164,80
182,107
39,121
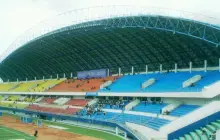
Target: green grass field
79,130
11,134
85,131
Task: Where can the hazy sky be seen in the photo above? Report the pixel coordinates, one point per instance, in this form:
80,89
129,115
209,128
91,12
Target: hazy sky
19,15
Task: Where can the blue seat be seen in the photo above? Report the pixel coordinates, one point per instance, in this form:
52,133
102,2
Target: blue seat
165,82
151,122
183,110
129,83
150,108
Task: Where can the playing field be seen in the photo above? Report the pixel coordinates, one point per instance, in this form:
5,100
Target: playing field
46,133
11,134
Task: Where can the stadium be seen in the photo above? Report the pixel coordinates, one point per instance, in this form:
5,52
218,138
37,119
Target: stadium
114,75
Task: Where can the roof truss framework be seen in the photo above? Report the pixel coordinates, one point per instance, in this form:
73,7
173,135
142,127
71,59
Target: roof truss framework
112,43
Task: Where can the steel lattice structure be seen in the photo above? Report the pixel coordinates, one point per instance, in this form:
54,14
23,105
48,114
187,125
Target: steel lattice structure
114,41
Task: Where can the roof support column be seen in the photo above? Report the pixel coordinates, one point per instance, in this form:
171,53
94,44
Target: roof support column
125,135
205,65
132,70
146,69
116,130
161,68
190,67
26,79
43,77
64,75
8,81
17,80
119,71
71,75
35,78
108,72
51,77
57,76
219,64
176,68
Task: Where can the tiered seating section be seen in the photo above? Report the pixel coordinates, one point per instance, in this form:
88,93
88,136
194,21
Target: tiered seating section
48,84
13,105
151,122
53,110
27,86
204,133
61,101
7,86
149,107
13,98
48,100
81,85
78,102
165,82
129,83
67,108
113,104
183,110
30,86
29,99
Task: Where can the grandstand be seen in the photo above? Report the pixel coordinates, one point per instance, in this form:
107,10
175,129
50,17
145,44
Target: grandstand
80,85
46,85
8,86
138,77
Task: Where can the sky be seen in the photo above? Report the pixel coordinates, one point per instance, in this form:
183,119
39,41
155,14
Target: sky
17,16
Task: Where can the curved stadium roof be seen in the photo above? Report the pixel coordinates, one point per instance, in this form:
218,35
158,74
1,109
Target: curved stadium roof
113,42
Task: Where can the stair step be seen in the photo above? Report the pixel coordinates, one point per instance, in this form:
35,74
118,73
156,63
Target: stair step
194,136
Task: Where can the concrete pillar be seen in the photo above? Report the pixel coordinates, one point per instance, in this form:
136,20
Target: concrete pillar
146,69
8,81
161,68
26,79
219,64
57,76
108,72
119,71
116,130
51,77
71,75
43,77
190,67
176,68
205,65
125,135
132,70
17,79
64,75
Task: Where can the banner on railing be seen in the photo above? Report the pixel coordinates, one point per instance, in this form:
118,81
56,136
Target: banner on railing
101,73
